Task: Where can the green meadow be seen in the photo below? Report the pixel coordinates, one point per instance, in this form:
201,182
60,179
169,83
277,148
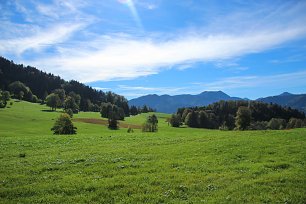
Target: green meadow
174,165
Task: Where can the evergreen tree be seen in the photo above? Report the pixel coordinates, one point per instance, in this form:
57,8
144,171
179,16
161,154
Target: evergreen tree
133,110
151,124
243,118
202,120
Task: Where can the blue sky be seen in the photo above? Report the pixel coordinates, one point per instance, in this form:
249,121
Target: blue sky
138,47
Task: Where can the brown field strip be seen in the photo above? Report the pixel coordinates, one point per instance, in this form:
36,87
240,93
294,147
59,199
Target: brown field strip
105,122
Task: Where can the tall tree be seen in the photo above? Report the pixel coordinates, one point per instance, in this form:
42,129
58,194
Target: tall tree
53,101
191,119
243,118
175,120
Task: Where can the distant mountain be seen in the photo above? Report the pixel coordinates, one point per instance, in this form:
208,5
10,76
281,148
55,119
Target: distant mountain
170,104
297,101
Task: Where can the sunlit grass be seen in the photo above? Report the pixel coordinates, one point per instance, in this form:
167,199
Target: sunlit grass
174,165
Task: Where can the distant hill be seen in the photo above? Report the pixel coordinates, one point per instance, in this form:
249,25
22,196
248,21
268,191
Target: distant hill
170,104
297,101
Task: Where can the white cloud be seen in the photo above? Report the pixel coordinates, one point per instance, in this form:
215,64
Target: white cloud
109,56
126,57
41,39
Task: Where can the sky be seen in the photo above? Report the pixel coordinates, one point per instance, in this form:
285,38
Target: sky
244,48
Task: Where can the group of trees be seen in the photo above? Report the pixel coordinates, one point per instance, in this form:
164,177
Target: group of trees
33,84
113,113
151,124
20,91
59,99
240,115
137,110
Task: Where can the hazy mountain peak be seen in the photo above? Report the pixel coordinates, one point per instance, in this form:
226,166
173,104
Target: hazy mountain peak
286,94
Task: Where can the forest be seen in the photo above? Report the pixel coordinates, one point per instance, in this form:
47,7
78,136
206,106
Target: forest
226,115
41,84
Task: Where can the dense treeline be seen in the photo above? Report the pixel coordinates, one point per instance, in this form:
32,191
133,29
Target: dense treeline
40,84
144,109
239,115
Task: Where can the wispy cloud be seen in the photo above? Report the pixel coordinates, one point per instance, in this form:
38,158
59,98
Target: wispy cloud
41,39
128,58
283,80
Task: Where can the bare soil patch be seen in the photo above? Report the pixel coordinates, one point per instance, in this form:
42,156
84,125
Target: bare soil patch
105,122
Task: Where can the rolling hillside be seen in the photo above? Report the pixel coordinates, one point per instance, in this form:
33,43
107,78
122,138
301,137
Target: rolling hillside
174,165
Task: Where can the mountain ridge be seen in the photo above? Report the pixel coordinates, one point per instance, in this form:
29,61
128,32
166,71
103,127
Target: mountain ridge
170,104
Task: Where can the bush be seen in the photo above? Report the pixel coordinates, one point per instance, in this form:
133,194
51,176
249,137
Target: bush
63,125
295,123
277,124
259,125
112,123
130,130
223,126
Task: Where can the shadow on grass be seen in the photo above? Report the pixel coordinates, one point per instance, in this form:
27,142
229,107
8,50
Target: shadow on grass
55,111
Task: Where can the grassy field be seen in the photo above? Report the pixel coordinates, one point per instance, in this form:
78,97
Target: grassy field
174,165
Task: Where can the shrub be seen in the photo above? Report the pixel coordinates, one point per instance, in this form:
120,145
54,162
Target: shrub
277,124
63,125
223,126
130,130
259,125
112,123
295,123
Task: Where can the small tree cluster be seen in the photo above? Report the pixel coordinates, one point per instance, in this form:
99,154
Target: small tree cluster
151,124
137,110
199,119
4,98
296,123
63,125
59,99
112,111
20,91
